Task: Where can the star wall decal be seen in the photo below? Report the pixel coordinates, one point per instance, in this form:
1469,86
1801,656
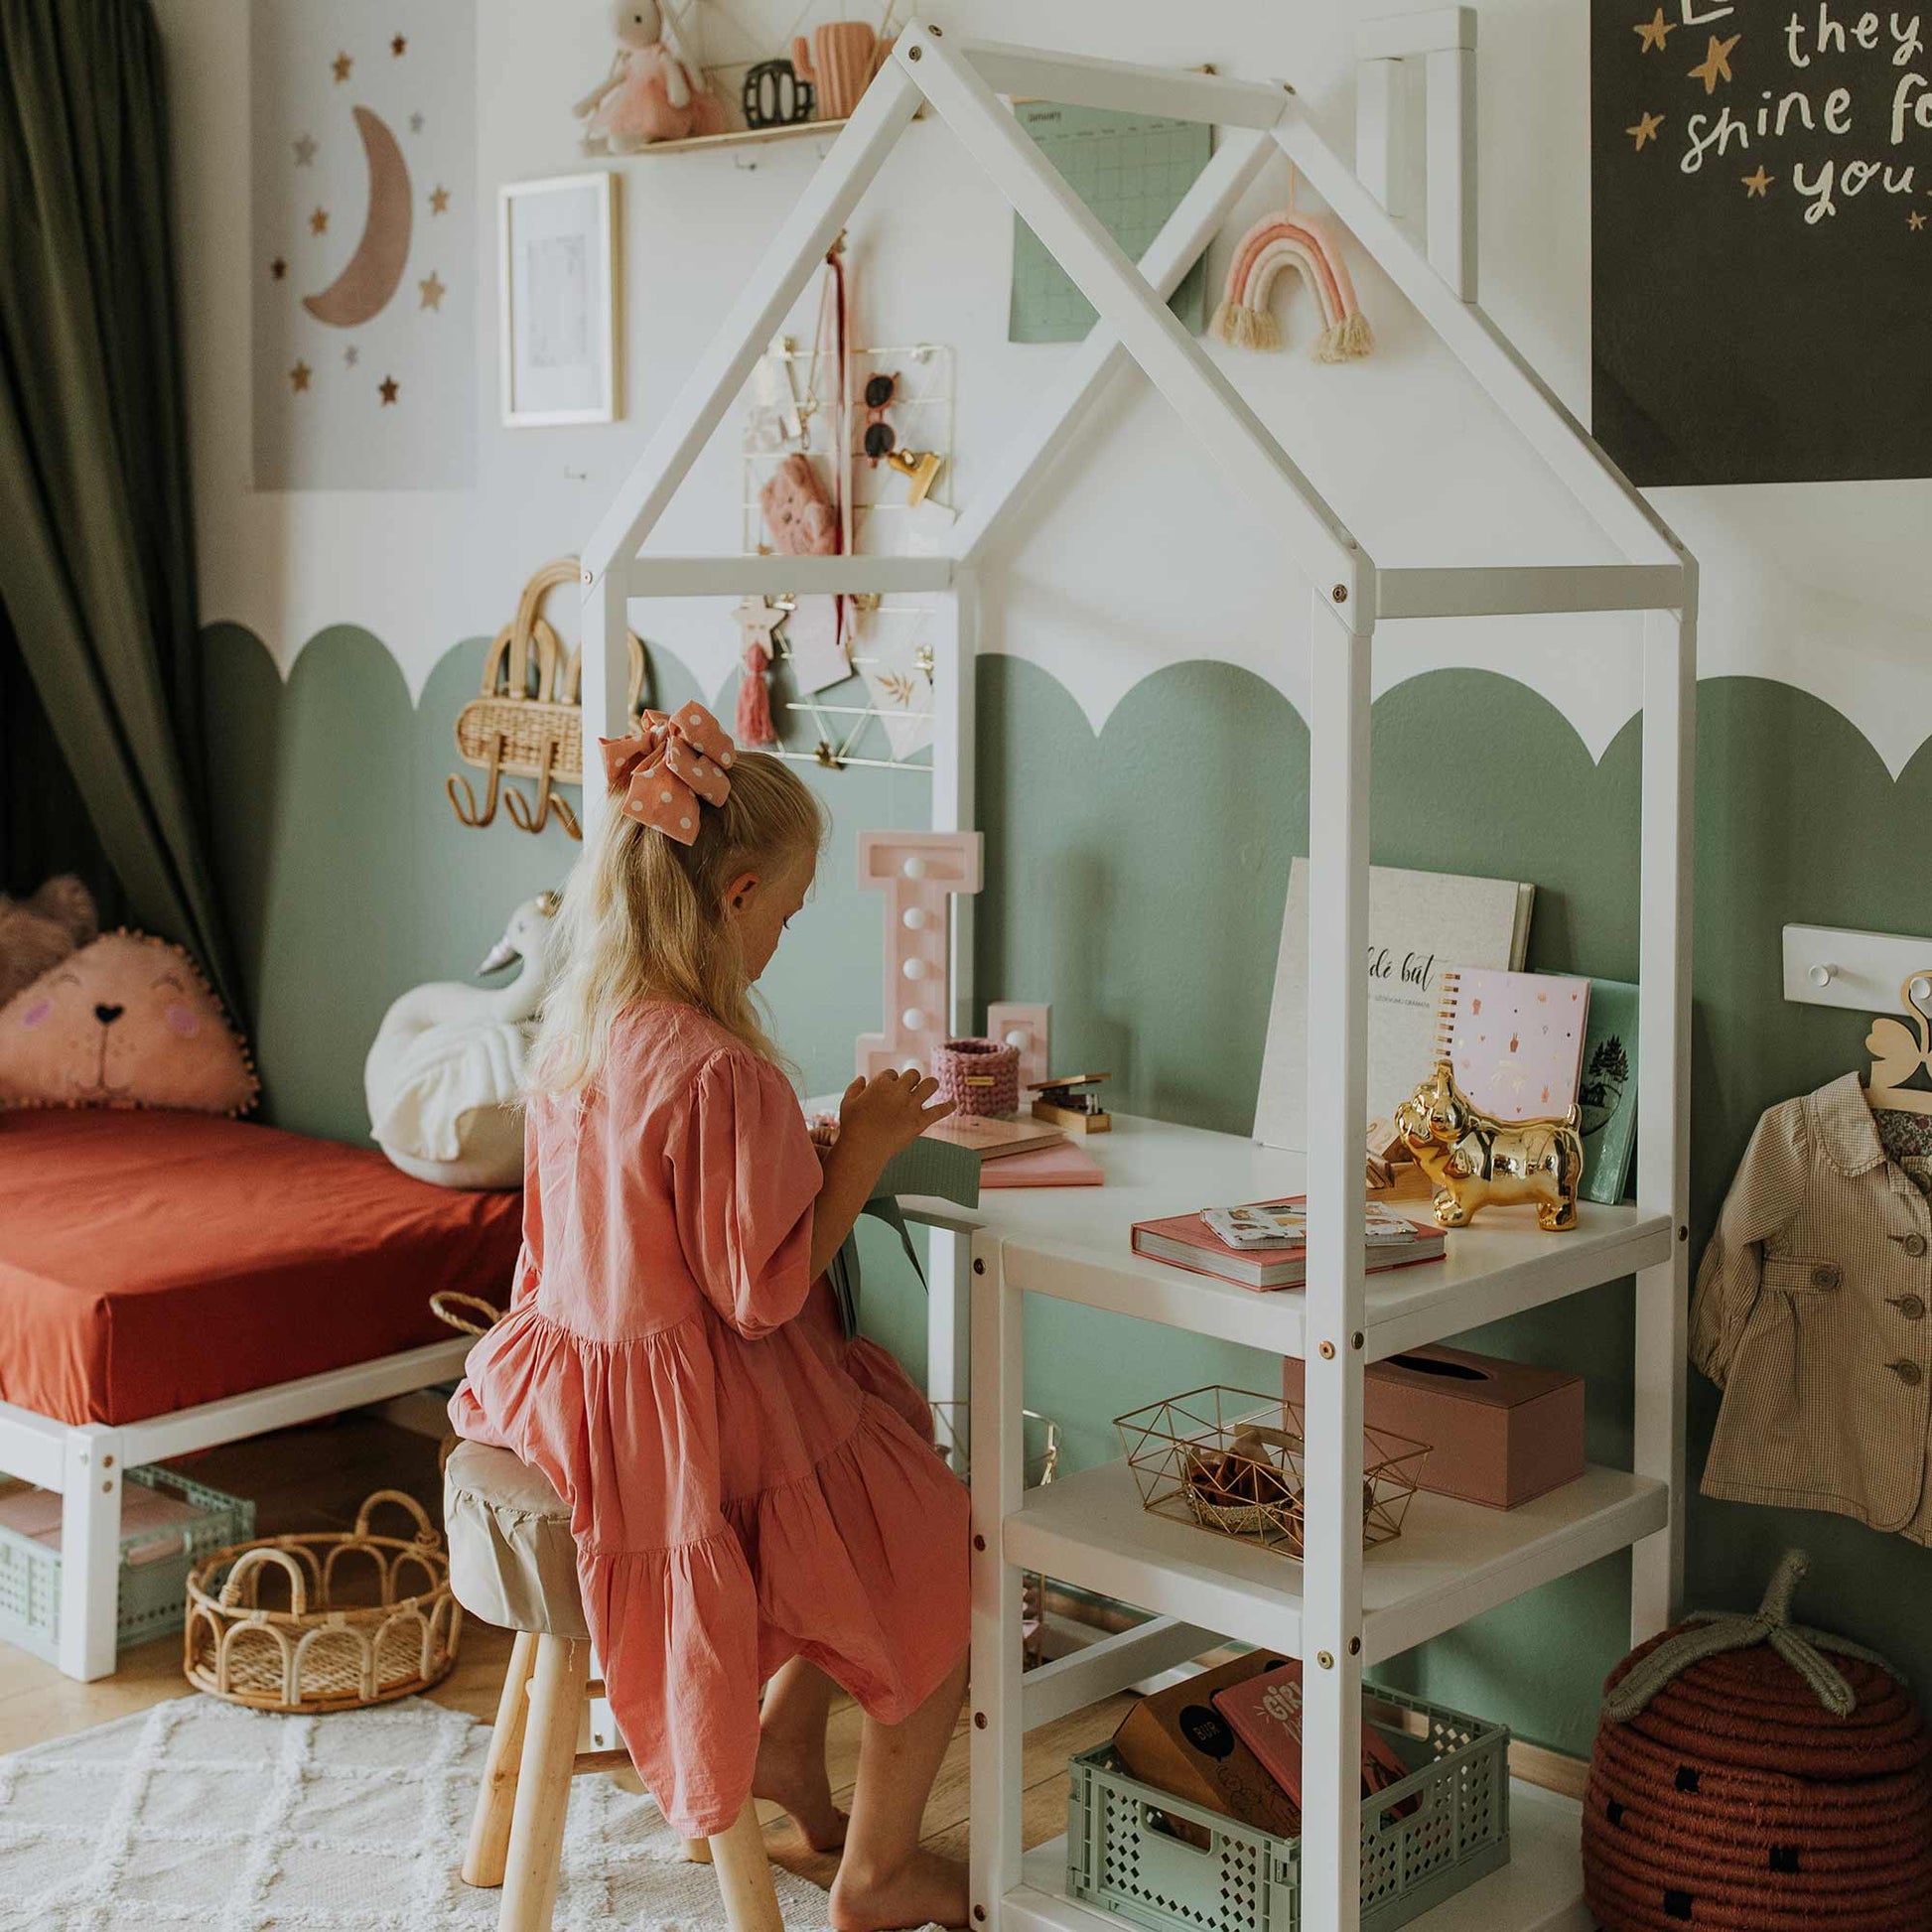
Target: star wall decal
415,123
1645,130
305,150
318,221
339,67
278,268
1654,32
389,387
439,199
348,357
1715,65
299,377
434,290
1915,220
399,45
1757,185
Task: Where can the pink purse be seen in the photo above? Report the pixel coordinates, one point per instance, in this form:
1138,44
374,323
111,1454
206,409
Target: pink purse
797,513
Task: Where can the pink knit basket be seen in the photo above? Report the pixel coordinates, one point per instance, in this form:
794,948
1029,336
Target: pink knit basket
980,1077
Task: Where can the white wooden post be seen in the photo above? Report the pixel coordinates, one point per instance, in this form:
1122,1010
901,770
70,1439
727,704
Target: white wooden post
956,636
1450,136
1667,850
606,660
90,1552
1337,1019
997,1665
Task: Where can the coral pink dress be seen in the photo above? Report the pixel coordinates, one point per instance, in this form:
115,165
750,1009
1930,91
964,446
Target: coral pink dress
745,1486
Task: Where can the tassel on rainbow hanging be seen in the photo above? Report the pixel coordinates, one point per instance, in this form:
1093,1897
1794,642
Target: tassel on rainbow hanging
758,618
1288,239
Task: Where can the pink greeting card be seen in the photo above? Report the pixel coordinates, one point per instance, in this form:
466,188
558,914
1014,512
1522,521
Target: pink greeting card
1514,1040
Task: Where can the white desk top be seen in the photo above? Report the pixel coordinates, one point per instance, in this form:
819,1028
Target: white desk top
1074,1242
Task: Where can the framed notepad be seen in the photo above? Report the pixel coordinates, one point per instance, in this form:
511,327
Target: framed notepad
1515,1041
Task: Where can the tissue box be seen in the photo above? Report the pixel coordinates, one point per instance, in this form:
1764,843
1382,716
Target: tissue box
1499,1433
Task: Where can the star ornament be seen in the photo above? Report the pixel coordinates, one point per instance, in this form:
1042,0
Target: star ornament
1654,32
305,150
758,618
1715,65
439,199
434,290
299,377
1645,130
318,221
388,388
1757,186
339,67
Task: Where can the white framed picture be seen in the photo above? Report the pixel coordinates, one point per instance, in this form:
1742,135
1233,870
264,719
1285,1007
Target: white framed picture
558,276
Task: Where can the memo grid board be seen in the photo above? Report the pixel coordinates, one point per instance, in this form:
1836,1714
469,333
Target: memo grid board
1131,170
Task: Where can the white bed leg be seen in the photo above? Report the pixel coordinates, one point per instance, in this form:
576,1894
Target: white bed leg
90,1552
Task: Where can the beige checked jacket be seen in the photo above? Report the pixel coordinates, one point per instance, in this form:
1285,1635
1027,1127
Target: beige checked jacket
1811,1315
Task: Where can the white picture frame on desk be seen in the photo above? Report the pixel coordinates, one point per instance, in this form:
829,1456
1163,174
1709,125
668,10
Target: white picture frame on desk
558,273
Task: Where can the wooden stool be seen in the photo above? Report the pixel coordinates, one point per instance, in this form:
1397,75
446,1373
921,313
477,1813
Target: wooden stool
513,1562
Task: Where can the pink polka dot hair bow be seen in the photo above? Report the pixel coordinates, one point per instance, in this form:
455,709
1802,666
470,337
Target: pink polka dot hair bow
670,763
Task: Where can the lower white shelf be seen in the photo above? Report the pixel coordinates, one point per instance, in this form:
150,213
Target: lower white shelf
1540,1890
1452,1561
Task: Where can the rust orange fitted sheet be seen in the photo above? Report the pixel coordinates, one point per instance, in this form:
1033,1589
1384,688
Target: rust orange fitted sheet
153,1261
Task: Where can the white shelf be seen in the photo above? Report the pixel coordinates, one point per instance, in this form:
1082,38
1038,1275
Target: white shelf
1540,1890
1074,1243
1452,1561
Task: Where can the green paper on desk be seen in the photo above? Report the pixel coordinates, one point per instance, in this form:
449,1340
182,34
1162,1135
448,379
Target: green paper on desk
927,1166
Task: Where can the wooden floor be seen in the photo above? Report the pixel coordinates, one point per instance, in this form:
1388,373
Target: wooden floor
315,1478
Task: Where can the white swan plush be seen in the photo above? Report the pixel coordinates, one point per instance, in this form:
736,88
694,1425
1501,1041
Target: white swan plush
443,1079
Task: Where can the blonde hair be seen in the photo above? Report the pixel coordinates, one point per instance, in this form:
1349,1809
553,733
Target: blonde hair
644,917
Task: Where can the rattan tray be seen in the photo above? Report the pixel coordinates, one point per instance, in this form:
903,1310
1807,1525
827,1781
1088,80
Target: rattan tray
328,1650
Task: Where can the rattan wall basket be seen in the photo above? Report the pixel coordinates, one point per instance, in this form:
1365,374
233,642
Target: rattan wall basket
349,1637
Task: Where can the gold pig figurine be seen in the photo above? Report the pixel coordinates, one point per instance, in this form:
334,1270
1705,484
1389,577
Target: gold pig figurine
1475,1160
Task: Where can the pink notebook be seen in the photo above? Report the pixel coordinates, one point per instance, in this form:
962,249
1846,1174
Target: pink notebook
1514,1040
1063,1165
1265,1713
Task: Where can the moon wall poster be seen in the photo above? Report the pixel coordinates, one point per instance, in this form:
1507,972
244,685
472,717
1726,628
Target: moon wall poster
1761,239
364,225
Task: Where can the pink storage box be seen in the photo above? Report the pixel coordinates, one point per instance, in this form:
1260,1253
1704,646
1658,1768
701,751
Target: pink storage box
1499,1433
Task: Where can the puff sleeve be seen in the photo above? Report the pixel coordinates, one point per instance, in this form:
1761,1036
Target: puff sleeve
1765,1195
744,1177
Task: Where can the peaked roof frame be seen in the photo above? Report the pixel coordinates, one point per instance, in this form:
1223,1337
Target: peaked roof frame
961,80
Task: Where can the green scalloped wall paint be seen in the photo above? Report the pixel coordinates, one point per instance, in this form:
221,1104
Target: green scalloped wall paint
1136,879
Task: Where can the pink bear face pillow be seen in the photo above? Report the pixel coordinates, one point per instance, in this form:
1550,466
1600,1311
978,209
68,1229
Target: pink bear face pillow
126,1022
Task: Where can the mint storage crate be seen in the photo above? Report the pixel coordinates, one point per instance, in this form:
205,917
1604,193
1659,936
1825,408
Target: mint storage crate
153,1595
1121,1860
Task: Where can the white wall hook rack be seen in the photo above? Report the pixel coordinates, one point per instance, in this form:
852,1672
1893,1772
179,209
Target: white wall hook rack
1828,966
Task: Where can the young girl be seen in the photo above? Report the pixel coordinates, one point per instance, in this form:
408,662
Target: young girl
754,1497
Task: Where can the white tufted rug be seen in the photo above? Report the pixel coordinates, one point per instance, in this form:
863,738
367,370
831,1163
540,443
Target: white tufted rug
196,1813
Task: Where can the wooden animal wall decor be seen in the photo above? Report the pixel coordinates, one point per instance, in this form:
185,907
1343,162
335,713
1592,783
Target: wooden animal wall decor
528,721
919,872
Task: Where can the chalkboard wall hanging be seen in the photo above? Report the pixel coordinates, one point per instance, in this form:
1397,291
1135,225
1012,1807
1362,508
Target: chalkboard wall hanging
1761,239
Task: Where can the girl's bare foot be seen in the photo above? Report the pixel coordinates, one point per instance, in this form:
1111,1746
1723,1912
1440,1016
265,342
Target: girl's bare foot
926,1890
796,1778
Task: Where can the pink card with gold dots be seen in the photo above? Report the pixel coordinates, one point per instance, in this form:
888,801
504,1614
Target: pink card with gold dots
1514,1040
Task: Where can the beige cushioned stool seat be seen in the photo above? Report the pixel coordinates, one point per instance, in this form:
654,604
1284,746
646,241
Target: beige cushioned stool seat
512,1560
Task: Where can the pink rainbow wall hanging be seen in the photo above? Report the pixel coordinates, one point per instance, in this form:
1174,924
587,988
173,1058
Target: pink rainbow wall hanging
1286,240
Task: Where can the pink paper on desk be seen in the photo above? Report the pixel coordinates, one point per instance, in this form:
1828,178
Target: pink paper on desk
1060,1166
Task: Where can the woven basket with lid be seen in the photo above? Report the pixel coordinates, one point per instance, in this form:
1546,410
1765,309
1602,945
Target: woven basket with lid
1756,1777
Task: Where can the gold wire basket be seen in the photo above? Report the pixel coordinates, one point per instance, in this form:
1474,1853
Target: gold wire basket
1231,1461
348,1636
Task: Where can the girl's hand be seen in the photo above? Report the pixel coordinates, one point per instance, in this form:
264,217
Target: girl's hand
889,1111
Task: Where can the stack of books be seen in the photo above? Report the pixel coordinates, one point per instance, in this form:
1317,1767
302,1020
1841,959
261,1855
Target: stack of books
1264,1244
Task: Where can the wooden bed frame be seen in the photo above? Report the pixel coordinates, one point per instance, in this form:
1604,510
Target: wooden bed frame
85,1464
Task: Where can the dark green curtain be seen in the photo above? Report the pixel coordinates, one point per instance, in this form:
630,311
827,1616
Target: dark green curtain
96,533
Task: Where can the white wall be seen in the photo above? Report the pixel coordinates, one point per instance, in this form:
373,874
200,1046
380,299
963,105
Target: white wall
1142,557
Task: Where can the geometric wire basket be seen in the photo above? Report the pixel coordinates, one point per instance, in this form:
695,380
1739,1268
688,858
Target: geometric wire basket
1231,1461
347,1638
